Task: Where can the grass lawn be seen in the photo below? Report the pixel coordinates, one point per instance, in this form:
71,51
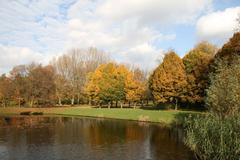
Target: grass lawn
162,116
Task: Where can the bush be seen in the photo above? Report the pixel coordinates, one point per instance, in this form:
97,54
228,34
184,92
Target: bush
223,95
212,138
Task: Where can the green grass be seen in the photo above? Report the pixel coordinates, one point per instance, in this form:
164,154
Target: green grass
161,116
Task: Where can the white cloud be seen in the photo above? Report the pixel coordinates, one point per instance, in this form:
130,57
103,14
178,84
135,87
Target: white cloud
128,29
143,55
155,11
218,26
11,56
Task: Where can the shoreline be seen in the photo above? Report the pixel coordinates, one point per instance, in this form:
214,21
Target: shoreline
163,117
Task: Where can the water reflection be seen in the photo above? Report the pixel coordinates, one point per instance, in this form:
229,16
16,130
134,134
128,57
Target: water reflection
31,138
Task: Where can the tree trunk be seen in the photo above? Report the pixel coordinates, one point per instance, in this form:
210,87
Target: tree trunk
134,106
31,102
59,101
4,103
121,104
176,105
129,104
19,102
78,99
109,105
72,101
116,104
89,101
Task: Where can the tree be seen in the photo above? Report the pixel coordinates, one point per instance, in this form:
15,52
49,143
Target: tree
18,76
91,87
230,49
197,63
72,69
107,83
135,86
169,80
112,82
41,89
62,89
223,95
6,90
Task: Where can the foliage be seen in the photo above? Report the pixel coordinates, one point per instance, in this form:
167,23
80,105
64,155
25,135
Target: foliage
41,87
197,63
217,135
168,81
214,139
72,69
19,83
6,90
111,82
135,86
231,48
107,83
223,96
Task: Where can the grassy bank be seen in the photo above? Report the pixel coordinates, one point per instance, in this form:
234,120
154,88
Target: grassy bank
161,116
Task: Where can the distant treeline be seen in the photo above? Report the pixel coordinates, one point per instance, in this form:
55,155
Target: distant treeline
90,77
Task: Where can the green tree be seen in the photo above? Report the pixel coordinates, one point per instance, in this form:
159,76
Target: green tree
216,135
223,96
168,82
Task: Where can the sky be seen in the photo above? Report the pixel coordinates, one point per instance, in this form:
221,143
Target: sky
138,32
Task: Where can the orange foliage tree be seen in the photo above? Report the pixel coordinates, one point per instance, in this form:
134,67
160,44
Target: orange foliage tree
168,81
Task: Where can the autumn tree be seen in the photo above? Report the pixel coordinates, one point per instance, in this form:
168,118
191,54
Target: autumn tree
135,86
168,82
41,87
223,94
91,88
107,83
18,76
62,90
197,63
72,69
230,49
6,90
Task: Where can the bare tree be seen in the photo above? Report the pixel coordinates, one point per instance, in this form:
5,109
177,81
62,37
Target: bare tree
73,67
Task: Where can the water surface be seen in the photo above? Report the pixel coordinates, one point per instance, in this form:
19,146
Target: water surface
61,138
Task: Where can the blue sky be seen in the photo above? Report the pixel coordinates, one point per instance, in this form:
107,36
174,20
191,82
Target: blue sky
131,31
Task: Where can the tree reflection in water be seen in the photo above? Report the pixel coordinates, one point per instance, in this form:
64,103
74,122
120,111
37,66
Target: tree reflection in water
87,138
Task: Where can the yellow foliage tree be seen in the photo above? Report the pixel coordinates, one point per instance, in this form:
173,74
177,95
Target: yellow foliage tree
135,86
111,82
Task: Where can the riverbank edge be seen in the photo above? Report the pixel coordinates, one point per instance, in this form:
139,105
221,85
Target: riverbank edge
167,117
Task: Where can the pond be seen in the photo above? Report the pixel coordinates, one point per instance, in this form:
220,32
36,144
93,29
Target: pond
69,138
